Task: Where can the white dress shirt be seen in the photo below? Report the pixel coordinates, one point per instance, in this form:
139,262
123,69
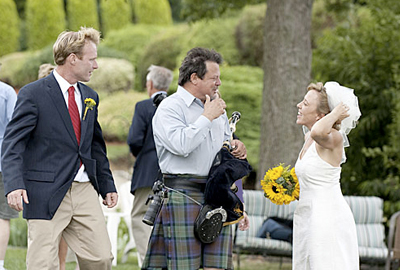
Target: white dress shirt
186,141
81,176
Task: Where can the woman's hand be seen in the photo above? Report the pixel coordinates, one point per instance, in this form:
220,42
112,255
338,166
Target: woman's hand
341,111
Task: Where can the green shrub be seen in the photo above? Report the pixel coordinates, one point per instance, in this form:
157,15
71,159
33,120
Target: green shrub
132,39
29,70
45,20
363,54
12,64
18,232
20,69
113,75
161,50
241,89
194,10
217,34
115,15
176,6
153,12
82,13
104,51
249,35
115,113
9,27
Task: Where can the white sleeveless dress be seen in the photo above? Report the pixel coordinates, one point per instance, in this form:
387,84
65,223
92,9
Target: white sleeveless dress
325,236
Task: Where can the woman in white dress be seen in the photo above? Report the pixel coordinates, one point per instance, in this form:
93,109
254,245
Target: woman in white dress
325,236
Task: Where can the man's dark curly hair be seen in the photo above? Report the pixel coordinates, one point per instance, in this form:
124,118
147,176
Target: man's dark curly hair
195,62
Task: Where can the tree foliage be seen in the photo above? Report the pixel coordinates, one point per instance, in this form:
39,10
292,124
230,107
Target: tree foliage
217,34
9,27
362,53
115,14
153,12
45,20
82,13
249,35
193,10
161,50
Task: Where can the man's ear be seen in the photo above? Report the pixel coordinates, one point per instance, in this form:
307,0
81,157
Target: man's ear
72,58
194,78
150,82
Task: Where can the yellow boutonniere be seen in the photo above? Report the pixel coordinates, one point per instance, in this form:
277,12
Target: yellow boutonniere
90,103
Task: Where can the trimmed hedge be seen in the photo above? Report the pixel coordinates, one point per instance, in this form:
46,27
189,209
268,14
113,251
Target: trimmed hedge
45,20
115,113
241,89
20,69
249,35
132,39
217,34
114,15
113,75
29,71
162,51
153,12
82,13
9,27
12,64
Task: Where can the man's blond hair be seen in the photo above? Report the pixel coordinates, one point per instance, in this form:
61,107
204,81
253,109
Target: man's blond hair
73,42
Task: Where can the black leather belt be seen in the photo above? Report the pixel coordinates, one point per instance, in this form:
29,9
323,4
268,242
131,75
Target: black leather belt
185,182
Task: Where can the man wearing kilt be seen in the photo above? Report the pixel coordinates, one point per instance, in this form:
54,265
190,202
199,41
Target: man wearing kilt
189,129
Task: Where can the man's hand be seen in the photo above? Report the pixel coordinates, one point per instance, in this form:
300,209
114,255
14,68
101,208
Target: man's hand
244,224
214,108
111,199
239,150
15,201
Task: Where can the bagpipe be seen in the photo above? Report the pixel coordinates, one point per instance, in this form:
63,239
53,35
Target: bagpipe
221,205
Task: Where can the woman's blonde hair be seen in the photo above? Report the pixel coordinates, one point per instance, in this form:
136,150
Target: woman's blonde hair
73,42
323,106
45,69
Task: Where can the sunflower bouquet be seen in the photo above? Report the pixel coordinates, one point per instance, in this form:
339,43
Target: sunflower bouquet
280,185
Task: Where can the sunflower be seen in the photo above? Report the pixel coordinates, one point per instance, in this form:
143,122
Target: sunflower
280,184
274,173
274,192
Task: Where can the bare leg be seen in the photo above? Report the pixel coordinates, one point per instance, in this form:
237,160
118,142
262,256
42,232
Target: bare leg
4,236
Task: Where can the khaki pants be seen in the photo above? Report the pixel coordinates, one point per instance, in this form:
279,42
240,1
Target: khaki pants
141,231
81,222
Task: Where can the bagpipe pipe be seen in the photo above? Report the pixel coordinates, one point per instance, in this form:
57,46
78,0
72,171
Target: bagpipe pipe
221,205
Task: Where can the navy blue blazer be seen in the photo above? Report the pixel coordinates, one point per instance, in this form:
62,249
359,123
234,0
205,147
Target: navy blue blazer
40,151
141,145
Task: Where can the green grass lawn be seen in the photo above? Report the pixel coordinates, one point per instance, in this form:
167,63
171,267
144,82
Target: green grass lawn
15,260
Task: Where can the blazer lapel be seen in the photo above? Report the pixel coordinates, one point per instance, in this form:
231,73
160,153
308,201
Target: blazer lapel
84,123
55,93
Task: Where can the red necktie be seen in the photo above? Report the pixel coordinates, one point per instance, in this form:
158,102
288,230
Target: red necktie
74,113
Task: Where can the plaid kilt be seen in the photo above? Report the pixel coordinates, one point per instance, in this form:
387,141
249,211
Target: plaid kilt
172,244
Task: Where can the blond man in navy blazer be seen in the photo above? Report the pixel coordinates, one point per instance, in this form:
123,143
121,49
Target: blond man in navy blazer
53,174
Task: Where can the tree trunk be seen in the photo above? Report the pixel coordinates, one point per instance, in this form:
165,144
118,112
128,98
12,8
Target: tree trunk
287,72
